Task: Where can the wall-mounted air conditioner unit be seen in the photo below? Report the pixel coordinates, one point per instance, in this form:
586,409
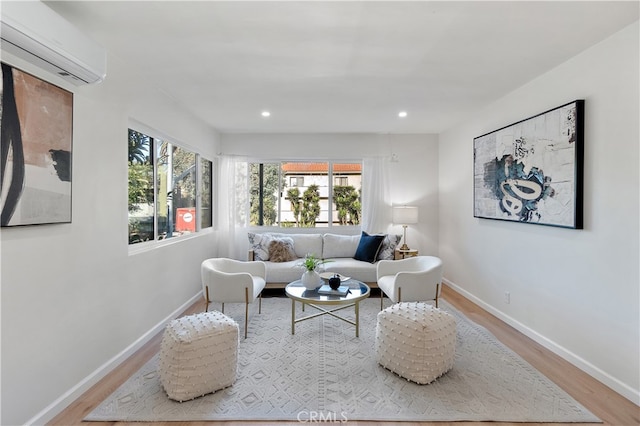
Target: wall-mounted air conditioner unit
34,32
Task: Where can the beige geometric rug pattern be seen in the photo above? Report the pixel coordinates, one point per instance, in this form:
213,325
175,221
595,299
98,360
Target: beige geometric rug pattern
325,372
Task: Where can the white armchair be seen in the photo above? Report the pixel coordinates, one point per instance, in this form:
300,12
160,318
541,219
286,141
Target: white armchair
232,281
414,279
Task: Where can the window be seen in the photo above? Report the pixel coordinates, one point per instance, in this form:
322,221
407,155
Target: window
296,181
319,194
206,174
141,211
340,181
169,189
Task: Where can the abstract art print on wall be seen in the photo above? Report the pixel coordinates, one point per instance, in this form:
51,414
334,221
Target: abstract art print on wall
36,137
531,171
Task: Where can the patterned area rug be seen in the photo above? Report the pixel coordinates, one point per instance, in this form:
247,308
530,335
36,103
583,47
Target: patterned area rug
325,372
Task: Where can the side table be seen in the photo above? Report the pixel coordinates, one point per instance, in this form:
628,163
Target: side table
403,254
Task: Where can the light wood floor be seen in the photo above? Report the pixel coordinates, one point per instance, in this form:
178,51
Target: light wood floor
611,407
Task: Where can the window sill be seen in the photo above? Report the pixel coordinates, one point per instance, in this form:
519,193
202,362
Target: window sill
147,246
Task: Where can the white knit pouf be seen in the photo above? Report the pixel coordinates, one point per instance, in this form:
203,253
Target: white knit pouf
198,355
416,340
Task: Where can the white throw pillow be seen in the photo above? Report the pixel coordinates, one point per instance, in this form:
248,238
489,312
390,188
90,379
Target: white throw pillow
260,245
339,246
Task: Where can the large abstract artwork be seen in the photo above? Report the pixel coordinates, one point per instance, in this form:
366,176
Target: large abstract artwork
36,135
531,171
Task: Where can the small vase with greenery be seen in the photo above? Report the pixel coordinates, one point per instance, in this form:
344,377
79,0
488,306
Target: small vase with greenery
311,278
311,262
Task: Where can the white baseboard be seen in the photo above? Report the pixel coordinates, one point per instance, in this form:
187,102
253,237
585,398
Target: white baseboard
75,392
623,389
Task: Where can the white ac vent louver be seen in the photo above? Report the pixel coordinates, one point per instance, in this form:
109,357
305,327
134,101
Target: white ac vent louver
34,32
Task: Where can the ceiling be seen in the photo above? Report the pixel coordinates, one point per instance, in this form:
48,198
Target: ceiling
342,67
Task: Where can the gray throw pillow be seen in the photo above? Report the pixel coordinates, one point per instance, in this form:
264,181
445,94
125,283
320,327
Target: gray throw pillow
389,245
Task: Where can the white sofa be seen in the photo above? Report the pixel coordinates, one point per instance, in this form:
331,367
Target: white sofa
337,250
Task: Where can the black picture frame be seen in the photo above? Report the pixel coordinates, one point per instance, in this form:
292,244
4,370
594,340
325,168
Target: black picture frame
531,171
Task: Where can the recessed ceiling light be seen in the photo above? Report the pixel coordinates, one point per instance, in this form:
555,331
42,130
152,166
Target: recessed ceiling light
402,114
265,113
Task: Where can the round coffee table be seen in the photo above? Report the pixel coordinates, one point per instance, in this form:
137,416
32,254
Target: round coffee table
297,292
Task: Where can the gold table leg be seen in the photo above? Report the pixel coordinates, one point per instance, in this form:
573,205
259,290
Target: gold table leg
293,316
357,308
355,305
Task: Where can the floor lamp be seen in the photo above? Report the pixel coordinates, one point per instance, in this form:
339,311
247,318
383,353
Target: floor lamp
405,215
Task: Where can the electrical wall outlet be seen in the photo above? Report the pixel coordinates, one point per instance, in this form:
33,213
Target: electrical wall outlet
507,297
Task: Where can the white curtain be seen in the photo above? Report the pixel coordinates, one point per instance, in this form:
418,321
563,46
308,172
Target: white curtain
376,199
233,207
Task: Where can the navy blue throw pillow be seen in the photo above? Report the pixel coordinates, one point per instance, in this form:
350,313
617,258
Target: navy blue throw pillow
368,247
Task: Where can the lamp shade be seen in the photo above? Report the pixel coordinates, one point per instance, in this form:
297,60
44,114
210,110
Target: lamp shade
404,215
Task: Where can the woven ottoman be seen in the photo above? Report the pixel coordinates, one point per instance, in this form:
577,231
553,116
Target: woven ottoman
416,340
198,355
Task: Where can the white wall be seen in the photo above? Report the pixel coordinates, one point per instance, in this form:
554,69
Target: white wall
413,178
576,291
72,296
